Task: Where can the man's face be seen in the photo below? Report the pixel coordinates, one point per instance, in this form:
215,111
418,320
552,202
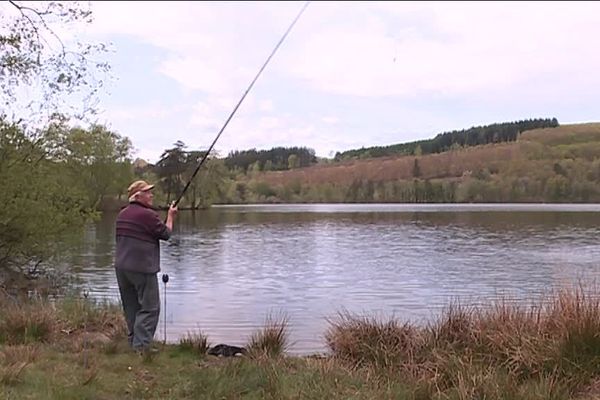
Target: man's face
146,197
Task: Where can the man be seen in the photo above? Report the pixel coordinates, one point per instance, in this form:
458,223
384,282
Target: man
137,261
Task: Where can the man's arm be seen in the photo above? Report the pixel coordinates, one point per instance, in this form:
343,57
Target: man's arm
162,230
171,217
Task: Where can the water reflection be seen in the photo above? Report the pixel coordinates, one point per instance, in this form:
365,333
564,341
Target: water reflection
231,266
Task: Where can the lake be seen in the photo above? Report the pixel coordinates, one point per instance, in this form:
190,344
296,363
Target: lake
232,266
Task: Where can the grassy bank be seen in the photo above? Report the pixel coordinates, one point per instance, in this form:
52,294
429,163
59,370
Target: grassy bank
75,349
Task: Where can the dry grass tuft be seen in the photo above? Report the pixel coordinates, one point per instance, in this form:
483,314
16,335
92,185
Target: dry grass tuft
482,352
378,342
272,340
196,342
27,322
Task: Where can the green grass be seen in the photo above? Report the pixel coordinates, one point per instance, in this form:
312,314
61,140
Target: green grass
549,350
173,374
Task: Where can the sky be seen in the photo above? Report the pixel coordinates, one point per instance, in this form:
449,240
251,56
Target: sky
349,75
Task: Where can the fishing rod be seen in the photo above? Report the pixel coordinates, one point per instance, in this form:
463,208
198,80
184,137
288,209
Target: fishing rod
240,102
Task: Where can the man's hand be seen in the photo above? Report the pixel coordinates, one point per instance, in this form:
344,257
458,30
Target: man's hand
172,210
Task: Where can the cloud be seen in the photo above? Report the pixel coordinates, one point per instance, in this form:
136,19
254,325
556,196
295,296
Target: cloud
360,73
203,116
154,111
248,131
449,50
214,47
364,49
245,131
266,106
330,120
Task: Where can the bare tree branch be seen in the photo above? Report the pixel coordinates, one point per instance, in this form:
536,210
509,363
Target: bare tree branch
29,58
40,15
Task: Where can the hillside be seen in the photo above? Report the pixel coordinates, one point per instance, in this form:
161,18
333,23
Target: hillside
559,164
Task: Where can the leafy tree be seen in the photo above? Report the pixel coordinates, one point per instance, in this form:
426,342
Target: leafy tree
263,190
277,157
210,183
293,161
41,202
41,198
255,167
170,170
101,158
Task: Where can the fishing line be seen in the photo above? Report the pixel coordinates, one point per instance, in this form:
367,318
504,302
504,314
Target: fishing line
240,102
165,277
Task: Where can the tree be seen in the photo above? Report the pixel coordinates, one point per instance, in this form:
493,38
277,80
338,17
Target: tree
41,202
102,160
171,168
209,184
276,159
293,161
61,77
418,151
42,199
416,171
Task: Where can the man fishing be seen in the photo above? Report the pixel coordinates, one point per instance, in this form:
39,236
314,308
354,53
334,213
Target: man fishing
138,232
137,261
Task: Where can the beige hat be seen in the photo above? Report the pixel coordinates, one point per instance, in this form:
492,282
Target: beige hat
138,186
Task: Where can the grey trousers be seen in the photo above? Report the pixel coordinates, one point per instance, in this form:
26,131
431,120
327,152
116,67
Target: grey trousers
141,305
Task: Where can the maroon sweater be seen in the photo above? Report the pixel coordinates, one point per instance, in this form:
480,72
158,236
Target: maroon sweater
138,231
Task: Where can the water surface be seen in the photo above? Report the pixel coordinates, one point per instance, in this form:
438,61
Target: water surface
231,266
